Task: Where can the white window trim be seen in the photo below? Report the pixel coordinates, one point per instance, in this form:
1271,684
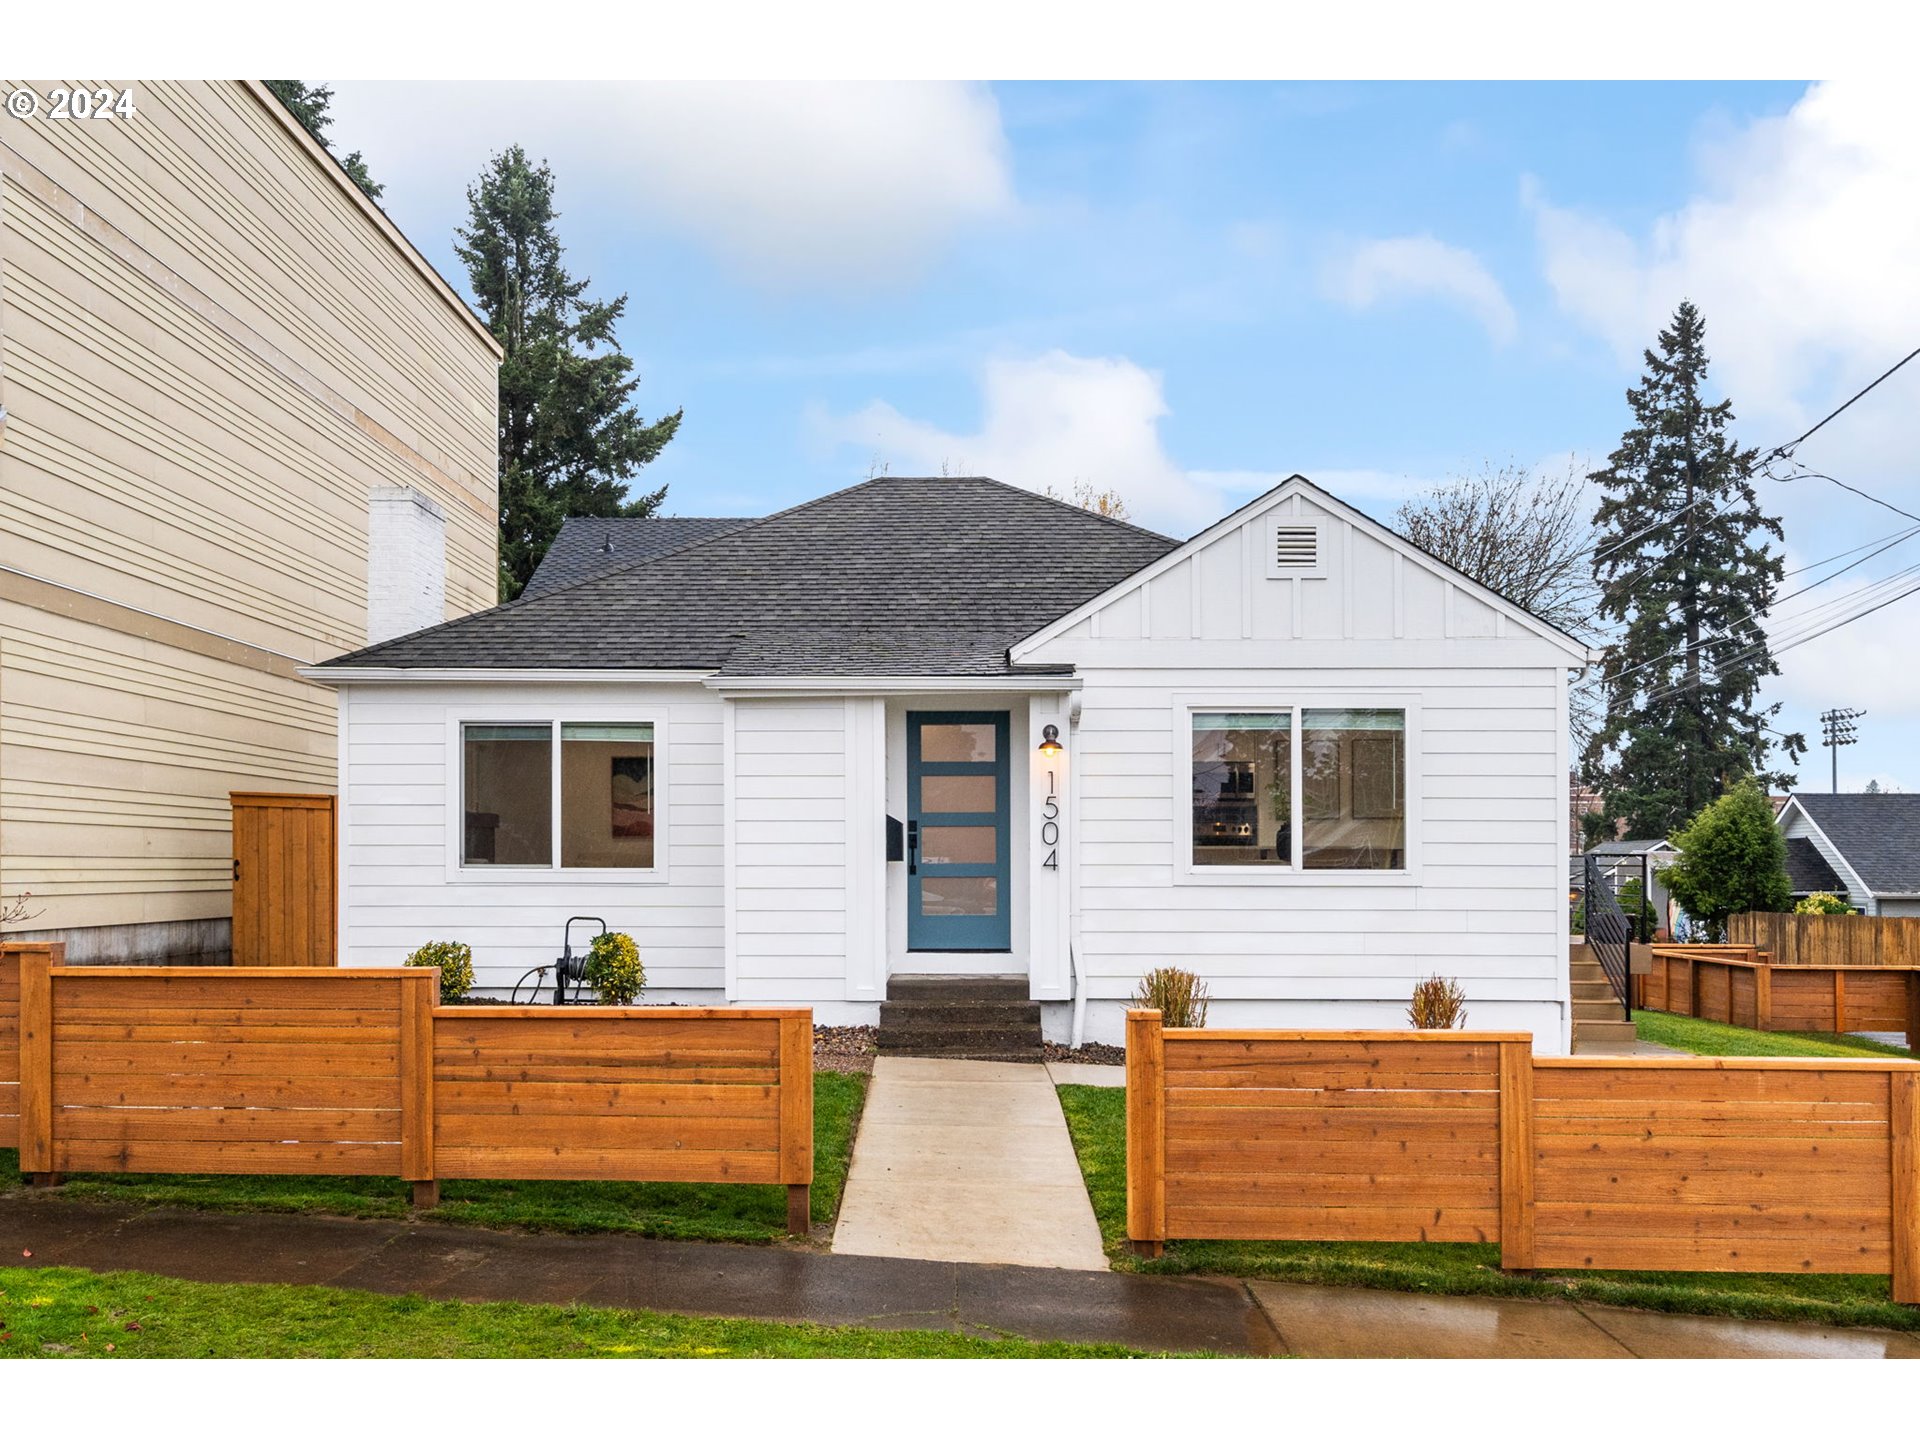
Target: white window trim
1295,699
554,716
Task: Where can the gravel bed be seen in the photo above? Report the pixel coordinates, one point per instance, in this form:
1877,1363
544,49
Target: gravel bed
1088,1054
848,1049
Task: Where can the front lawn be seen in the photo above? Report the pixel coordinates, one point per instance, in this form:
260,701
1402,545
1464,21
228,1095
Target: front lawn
1710,1037
665,1211
127,1315
1097,1119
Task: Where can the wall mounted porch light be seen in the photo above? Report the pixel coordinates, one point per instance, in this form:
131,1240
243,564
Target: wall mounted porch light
1050,745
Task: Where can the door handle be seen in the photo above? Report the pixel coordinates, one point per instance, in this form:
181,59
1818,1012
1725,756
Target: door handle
913,847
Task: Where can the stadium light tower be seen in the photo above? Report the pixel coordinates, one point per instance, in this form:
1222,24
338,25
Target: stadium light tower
1836,728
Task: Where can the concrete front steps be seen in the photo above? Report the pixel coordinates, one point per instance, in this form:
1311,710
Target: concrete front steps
960,1017
1597,1016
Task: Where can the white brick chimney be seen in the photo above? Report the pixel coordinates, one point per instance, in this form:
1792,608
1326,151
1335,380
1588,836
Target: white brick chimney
406,562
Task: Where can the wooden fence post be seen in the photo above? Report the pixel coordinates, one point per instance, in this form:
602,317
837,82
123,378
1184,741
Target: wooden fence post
796,1119
1146,1133
36,1062
1903,1114
419,993
1763,997
1516,1154
1913,1011
1839,1001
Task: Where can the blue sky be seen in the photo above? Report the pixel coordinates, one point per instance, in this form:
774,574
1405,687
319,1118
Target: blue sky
1188,292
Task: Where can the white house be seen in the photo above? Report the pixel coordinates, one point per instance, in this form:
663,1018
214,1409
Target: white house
945,726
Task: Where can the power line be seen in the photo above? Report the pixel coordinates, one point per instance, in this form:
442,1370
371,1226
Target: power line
1783,451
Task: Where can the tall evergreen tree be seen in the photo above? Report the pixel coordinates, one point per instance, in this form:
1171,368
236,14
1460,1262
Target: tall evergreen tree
1684,567
570,436
312,106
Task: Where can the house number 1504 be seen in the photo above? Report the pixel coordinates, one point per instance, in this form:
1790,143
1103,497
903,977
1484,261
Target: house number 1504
1050,824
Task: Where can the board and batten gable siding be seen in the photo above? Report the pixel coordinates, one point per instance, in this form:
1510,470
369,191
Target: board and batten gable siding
211,353
1484,895
401,884
807,915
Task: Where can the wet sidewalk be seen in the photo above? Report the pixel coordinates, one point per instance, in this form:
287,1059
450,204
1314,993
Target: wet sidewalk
446,1262
970,1161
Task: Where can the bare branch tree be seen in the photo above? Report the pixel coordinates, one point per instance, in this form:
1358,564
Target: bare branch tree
1526,537
13,909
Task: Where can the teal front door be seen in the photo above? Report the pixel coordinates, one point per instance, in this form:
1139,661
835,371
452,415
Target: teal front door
957,868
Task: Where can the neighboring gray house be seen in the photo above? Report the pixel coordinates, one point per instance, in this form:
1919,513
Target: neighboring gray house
1866,847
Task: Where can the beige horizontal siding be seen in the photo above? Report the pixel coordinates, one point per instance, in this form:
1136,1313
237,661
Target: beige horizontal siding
210,353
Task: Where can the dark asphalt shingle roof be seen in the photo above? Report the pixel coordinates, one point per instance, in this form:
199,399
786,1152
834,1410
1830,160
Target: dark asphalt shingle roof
1627,847
588,545
1877,835
1808,871
895,576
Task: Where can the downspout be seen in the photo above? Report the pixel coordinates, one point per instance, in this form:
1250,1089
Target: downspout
1073,869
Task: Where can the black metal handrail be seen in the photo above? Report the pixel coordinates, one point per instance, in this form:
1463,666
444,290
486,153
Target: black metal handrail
1609,931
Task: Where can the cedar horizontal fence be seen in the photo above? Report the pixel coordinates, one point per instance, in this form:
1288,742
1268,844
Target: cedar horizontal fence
1739,985
360,1072
1892,940
1629,1163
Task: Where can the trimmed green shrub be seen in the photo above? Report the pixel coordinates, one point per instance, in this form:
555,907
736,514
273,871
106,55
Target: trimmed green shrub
1732,858
1177,994
454,960
1438,1004
614,969
1821,903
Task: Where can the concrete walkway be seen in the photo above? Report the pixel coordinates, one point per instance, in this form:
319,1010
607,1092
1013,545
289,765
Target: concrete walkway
1325,1322
966,1160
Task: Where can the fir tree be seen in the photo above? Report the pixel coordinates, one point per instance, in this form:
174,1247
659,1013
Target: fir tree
570,437
311,106
1685,568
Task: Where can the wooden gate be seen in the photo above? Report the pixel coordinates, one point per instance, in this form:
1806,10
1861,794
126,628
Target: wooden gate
283,879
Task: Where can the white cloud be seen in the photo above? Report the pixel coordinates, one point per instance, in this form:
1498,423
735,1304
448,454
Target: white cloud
1799,249
794,183
1412,267
1051,420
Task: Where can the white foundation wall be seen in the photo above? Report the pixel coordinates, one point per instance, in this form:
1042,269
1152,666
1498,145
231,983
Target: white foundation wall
1483,900
400,883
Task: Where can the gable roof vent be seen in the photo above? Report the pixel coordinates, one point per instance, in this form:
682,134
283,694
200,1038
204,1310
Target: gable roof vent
1296,548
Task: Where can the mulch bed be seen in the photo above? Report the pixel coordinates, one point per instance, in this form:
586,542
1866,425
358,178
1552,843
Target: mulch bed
848,1049
1088,1054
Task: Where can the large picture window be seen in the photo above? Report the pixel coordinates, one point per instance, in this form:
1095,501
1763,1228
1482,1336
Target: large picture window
595,811
1344,771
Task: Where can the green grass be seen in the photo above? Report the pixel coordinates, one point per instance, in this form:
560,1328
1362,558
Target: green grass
1710,1037
753,1213
1097,1119
127,1315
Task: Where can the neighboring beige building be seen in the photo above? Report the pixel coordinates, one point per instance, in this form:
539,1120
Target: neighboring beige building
247,427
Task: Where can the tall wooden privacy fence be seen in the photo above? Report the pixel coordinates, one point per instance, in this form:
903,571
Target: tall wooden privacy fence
1830,939
1739,985
361,1072
1677,1163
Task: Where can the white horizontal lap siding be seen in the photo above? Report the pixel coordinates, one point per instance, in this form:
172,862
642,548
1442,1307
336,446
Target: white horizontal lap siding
1484,905
789,839
402,777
